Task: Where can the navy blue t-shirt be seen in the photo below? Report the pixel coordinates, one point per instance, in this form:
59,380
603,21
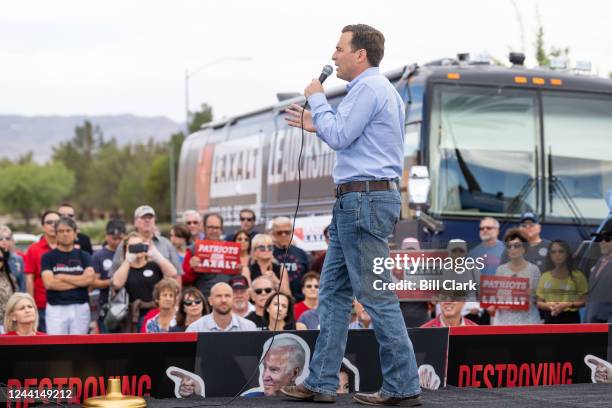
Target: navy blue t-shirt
102,261
296,265
69,263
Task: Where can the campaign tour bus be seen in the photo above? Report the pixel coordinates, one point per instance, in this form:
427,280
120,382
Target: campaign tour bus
481,140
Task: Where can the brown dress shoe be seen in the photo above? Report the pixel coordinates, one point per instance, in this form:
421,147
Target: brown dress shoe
299,392
377,399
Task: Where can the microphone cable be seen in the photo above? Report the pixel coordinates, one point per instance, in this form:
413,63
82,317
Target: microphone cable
282,272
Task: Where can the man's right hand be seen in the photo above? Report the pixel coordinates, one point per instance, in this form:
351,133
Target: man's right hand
294,118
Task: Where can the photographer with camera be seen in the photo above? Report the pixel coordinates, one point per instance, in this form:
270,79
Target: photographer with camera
142,267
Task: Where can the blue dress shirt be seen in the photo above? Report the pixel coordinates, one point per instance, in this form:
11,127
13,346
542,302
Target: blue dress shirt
366,131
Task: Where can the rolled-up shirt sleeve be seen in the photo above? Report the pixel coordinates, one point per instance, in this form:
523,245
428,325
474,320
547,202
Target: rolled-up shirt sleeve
335,128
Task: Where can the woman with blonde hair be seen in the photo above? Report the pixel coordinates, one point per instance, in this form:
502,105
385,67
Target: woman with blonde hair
263,263
21,316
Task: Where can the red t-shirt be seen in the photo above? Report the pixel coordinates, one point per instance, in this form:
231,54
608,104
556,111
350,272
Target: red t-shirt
32,261
14,333
438,323
299,308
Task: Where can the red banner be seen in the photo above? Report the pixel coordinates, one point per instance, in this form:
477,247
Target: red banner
218,257
504,292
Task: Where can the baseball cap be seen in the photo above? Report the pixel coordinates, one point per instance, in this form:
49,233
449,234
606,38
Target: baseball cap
601,235
115,227
529,216
456,243
144,210
239,282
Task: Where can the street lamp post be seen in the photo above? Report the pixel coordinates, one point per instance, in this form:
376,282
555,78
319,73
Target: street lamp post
188,75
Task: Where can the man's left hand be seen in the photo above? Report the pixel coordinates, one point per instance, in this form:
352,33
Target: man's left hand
313,88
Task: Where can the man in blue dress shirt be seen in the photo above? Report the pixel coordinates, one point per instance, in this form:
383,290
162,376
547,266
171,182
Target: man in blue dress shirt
367,134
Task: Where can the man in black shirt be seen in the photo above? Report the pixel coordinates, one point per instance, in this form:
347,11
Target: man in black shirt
82,241
247,223
296,261
66,274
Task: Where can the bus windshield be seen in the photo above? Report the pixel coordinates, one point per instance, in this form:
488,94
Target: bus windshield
578,142
482,148
486,148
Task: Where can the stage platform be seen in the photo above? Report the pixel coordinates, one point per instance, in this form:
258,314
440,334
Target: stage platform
558,396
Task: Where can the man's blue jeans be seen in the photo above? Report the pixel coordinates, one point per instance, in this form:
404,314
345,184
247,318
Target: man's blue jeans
358,233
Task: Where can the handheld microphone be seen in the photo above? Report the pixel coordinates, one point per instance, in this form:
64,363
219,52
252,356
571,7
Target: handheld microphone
327,71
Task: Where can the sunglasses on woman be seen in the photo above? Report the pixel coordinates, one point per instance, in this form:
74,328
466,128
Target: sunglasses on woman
264,247
191,302
310,286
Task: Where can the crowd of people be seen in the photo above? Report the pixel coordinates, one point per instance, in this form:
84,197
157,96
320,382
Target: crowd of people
139,281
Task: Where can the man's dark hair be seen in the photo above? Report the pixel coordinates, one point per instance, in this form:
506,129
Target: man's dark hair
207,216
310,275
44,215
244,210
66,221
369,39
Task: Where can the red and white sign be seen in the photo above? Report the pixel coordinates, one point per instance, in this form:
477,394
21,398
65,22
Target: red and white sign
504,292
218,257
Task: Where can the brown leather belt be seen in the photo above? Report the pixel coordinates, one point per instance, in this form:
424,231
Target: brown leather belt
363,186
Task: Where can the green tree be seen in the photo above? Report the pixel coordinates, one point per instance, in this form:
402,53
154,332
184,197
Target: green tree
104,176
197,119
542,56
29,188
138,159
157,186
77,155
610,74
23,159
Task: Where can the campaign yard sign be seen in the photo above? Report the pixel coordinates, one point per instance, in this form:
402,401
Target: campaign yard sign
217,257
